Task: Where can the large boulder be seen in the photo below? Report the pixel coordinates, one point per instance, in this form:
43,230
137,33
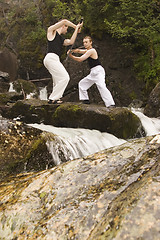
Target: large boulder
113,194
152,109
9,63
120,122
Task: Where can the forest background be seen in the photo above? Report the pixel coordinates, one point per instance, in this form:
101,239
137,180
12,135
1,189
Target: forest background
134,24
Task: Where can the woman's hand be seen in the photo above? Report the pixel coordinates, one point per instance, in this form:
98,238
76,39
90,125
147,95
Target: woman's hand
69,53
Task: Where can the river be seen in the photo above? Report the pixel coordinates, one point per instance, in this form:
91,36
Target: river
71,143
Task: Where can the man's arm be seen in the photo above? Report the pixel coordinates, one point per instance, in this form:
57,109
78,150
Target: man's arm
60,24
54,27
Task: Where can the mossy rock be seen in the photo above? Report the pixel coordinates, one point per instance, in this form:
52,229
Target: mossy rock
25,86
10,97
22,148
120,122
28,111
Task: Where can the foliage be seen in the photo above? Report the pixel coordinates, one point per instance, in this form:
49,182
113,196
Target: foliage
135,24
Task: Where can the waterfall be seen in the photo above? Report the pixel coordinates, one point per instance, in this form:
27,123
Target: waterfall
11,89
150,125
71,143
30,95
43,93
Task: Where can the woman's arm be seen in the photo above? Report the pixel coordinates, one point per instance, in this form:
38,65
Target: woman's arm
83,57
77,50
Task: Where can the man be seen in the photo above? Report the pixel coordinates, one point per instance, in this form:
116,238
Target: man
97,73
52,59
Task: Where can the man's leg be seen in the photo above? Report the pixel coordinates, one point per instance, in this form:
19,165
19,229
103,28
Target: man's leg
84,85
59,75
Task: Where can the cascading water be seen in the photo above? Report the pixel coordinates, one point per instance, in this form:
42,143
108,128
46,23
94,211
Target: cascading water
43,93
70,143
150,125
11,89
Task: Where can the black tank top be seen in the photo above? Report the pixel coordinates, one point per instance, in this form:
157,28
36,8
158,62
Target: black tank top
56,45
93,62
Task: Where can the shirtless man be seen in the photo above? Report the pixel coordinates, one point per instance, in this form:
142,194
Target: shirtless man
96,75
52,62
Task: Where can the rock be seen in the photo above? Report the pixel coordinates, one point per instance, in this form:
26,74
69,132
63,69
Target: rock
152,109
26,87
9,63
4,82
120,122
113,194
4,76
9,97
22,148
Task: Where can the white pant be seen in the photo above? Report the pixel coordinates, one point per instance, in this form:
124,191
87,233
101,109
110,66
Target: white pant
59,75
97,76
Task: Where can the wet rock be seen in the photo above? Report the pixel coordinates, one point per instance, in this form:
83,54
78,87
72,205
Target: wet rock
10,97
22,148
4,82
112,194
120,122
25,87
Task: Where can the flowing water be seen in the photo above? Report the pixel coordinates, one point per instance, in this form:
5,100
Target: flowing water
70,143
43,93
150,125
11,89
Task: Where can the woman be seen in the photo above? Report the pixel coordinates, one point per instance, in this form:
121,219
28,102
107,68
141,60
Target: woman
97,73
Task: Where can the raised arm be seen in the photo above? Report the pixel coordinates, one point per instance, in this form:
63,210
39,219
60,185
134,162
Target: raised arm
73,38
54,27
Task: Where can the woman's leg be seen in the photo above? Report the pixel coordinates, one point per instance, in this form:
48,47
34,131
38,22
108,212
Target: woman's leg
84,85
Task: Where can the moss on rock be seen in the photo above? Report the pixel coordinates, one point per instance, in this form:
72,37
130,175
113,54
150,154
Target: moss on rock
22,148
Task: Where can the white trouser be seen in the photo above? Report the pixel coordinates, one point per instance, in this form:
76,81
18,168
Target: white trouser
97,76
59,75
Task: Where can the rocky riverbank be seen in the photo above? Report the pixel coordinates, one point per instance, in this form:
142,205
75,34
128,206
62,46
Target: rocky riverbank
113,194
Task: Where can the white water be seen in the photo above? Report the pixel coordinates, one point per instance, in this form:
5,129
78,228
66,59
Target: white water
70,143
11,89
150,125
43,93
